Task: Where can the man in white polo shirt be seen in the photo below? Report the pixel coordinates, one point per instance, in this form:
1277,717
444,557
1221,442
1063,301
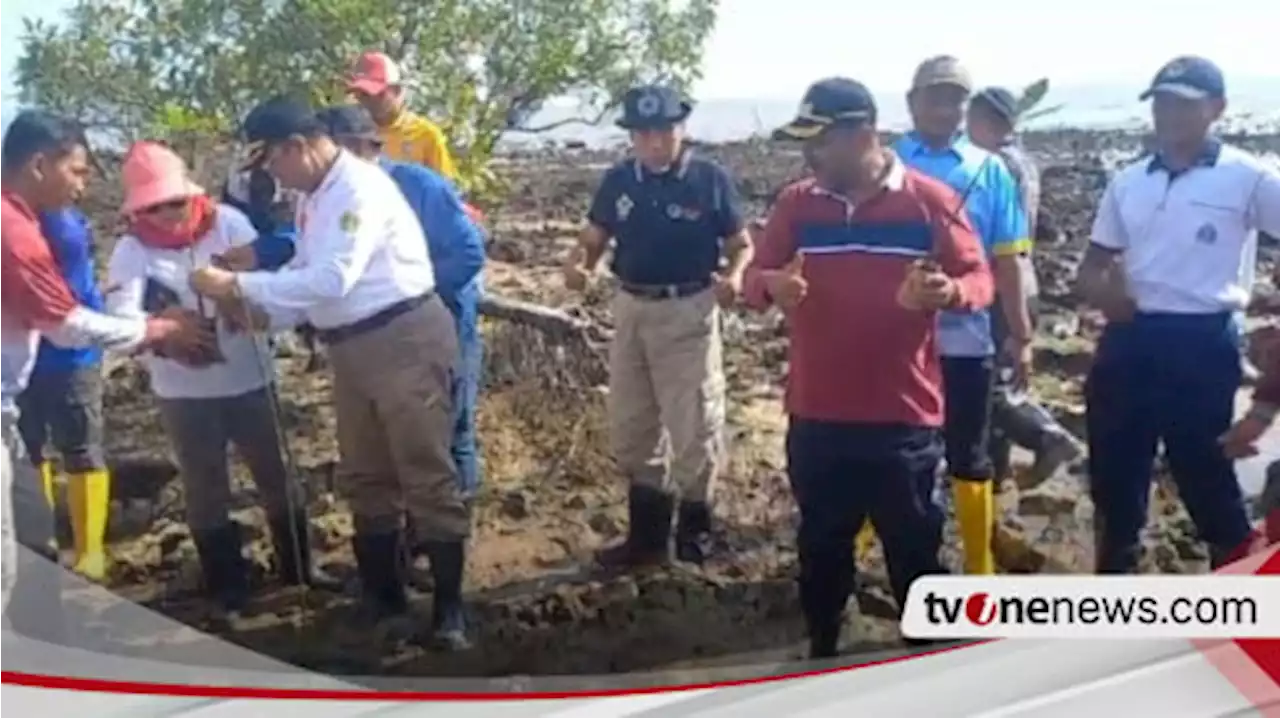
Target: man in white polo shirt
362,276
1171,264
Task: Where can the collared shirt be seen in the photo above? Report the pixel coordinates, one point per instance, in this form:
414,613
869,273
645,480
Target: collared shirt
669,227
133,264
34,299
856,354
413,138
71,242
1189,239
991,198
360,250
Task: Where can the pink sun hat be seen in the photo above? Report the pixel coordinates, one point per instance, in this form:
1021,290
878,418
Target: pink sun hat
153,174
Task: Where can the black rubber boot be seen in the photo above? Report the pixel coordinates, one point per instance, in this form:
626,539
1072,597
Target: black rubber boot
294,561
693,532
380,560
448,619
226,572
648,541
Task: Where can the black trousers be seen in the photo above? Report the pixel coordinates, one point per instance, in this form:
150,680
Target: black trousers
968,383
843,473
1171,379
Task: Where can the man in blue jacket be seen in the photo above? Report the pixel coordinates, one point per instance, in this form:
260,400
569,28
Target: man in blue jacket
456,245
62,404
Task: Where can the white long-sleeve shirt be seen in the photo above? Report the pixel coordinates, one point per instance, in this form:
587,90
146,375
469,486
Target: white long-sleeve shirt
132,263
360,250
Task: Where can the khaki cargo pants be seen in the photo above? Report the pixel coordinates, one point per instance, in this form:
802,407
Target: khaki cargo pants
392,392
666,392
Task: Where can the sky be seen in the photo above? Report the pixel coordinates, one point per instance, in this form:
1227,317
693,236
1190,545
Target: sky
772,49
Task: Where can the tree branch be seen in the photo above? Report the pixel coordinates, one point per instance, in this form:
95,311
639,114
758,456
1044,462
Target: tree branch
589,121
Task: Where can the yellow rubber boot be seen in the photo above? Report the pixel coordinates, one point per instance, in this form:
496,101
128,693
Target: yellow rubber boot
866,536
46,481
89,499
976,513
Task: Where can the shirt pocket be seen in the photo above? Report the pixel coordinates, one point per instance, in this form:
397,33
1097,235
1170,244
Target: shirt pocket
1217,220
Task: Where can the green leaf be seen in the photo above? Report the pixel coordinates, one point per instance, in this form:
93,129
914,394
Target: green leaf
186,71
1033,94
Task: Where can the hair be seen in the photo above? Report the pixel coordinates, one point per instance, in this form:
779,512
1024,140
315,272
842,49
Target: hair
34,132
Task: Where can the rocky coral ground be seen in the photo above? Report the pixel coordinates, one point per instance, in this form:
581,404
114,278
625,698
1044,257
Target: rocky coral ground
552,495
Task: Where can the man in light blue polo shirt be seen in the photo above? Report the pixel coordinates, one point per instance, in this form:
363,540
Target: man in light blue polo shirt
1171,264
988,192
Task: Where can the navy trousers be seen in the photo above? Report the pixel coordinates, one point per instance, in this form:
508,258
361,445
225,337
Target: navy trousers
1171,379
843,473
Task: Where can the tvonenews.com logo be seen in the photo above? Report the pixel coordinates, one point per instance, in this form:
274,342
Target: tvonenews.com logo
983,609
1106,606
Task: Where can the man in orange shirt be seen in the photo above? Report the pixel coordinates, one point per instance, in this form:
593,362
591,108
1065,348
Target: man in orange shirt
377,84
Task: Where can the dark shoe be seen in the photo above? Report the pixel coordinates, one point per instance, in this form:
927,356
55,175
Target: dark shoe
448,620
226,572
693,532
824,639
293,560
379,561
1057,449
648,541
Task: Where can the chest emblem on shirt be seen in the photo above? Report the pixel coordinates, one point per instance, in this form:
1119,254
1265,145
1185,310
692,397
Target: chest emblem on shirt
675,211
349,222
623,207
1207,234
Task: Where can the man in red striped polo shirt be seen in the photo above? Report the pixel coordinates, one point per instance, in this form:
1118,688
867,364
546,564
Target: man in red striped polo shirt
861,258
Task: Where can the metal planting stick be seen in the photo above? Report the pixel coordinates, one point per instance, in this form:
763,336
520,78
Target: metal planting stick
262,353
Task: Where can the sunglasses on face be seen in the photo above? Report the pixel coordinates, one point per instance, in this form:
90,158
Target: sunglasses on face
172,205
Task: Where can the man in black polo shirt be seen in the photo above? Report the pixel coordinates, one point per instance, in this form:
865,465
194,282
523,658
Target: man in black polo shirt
672,217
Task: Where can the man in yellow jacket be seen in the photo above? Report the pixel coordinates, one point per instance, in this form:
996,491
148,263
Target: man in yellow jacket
377,83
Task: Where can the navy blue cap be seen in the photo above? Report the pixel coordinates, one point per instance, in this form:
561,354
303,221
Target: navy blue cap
349,121
833,102
1194,78
1000,100
276,120
652,107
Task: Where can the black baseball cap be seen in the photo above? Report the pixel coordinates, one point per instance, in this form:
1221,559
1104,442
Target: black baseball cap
1194,78
276,120
1000,100
833,102
349,121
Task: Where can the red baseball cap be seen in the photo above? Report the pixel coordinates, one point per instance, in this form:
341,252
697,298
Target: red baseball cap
374,72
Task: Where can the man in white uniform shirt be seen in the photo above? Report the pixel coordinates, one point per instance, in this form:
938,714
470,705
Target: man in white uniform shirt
1171,264
362,276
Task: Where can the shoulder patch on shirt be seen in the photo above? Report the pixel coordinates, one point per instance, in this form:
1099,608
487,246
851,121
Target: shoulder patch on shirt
349,222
